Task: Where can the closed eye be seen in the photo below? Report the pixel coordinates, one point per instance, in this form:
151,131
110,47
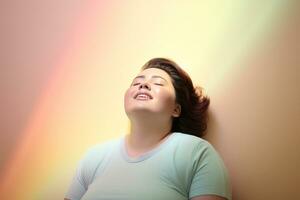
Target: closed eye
134,84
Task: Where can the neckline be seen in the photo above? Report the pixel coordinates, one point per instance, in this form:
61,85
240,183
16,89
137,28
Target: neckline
145,155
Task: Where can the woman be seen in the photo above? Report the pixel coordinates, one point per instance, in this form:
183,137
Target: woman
163,157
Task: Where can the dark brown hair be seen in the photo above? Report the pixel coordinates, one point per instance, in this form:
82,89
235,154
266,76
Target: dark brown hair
194,105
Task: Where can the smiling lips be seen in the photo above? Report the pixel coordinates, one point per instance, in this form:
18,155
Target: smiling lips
143,96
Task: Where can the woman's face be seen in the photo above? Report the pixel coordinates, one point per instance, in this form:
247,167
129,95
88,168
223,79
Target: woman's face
151,91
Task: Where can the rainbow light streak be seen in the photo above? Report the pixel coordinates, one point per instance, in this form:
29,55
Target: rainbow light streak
111,39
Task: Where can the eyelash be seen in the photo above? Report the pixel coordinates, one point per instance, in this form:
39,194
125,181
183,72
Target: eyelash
154,84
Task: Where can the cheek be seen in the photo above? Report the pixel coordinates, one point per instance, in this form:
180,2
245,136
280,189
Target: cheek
127,95
128,99
167,97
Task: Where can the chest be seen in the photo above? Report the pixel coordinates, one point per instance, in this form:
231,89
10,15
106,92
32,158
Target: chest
155,178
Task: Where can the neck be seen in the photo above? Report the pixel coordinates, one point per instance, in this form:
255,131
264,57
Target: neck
146,134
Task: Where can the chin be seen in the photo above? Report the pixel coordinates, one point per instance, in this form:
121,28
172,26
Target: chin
135,111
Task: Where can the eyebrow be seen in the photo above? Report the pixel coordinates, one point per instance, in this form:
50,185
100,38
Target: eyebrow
154,76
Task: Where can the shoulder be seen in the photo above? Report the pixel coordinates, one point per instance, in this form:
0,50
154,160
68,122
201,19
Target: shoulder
95,156
208,173
196,150
97,153
187,138
192,143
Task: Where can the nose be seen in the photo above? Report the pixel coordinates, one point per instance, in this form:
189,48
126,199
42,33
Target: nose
145,85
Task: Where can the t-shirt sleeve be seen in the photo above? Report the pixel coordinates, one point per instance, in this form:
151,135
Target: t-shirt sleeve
78,184
210,176
85,172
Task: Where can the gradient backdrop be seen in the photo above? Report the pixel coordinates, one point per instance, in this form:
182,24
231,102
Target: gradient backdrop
65,65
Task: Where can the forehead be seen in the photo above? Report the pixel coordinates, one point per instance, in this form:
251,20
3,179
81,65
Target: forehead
153,72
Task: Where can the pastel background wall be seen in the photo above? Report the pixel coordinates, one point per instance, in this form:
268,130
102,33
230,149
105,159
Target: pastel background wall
65,66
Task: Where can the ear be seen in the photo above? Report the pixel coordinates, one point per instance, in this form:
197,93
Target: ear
176,111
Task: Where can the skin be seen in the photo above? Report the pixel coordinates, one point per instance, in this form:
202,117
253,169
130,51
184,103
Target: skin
151,120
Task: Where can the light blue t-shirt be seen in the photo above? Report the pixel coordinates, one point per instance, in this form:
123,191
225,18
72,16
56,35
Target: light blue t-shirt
181,167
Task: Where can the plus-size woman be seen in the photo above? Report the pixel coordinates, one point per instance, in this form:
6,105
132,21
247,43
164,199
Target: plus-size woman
163,157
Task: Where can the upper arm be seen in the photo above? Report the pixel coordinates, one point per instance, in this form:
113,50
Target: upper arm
78,186
82,177
86,170
210,179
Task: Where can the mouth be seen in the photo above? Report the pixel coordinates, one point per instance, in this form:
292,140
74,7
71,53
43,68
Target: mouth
143,96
